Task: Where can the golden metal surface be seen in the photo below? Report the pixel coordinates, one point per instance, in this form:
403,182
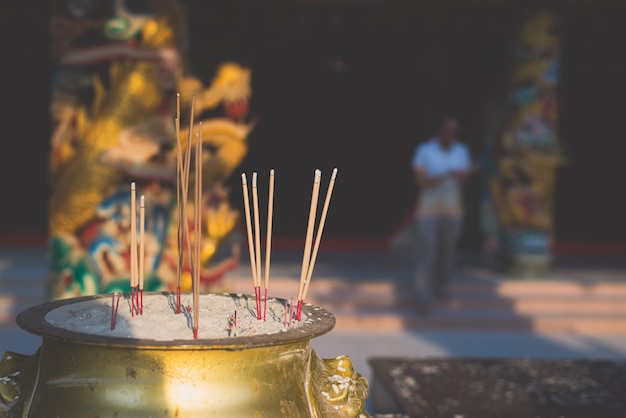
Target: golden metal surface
82,375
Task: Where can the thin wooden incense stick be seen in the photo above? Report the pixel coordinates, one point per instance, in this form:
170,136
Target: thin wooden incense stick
182,188
257,244
320,228
308,240
198,232
136,256
187,170
195,240
185,230
179,213
189,137
246,206
142,220
185,192
133,246
268,241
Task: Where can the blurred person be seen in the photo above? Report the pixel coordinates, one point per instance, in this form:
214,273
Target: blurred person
441,166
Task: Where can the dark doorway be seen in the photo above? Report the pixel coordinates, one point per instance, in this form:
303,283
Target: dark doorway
356,86
591,192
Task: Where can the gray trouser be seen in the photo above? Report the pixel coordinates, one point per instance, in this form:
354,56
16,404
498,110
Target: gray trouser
436,248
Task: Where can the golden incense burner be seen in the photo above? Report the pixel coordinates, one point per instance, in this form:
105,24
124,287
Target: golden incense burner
76,374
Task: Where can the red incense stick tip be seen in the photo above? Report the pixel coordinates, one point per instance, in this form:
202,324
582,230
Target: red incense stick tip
195,333
132,301
299,310
290,314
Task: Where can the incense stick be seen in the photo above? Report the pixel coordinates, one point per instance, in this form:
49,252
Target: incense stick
246,205
142,220
198,232
320,228
309,237
185,193
133,246
189,136
257,244
268,241
179,214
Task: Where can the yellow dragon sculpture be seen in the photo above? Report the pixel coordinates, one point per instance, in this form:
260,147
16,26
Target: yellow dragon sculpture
124,132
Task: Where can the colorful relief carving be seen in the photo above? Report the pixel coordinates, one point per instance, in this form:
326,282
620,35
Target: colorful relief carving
524,155
117,70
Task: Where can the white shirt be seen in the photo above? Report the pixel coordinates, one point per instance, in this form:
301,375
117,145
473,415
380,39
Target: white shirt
443,199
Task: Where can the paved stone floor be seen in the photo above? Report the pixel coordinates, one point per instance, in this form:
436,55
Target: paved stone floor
23,272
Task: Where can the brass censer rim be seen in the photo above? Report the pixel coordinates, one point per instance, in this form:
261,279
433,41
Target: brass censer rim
33,320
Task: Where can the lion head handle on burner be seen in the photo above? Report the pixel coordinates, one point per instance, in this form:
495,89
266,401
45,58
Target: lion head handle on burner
340,391
17,378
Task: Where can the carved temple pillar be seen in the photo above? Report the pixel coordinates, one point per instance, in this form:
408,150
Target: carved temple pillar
524,151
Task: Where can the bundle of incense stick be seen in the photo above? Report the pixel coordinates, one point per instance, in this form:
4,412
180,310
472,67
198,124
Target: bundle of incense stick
308,259
136,259
182,188
254,239
310,249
